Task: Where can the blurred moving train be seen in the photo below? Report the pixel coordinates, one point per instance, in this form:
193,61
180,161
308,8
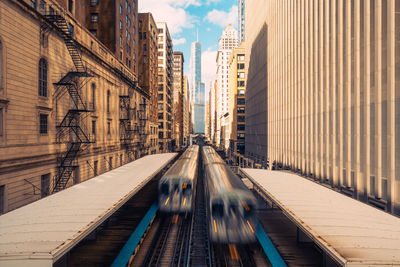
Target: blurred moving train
231,205
177,187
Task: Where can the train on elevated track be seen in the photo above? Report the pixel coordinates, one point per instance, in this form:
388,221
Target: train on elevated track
178,185
230,204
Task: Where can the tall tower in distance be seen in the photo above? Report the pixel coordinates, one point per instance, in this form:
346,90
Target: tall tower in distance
227,42
241,21
197,88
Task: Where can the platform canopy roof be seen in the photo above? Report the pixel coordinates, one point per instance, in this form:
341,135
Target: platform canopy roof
351,232
40,233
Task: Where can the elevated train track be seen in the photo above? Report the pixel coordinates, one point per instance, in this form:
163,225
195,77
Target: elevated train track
183,240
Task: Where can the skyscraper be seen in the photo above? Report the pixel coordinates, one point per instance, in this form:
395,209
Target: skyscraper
241,21
227,42
197,88
165,88
178,98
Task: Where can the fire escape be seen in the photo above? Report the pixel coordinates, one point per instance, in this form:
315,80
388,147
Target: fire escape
143,129
70,128
127,129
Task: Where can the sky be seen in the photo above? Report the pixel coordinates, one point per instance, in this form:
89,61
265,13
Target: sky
185,17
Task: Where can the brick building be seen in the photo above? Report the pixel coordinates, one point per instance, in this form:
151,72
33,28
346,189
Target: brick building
65,103
148,72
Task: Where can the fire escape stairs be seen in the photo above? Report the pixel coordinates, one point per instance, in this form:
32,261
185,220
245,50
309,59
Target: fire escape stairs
72,82
59,23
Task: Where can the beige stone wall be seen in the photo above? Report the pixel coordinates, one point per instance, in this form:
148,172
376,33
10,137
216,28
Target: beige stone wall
333,107
25,154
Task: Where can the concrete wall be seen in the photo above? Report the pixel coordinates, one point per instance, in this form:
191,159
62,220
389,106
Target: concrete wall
332,92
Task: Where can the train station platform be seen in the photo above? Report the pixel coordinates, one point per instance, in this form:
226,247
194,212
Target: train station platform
349,232
42,232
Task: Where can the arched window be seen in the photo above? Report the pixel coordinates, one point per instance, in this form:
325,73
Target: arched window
42,77
108,100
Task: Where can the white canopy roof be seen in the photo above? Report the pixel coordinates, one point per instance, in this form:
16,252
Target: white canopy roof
40,233
352,232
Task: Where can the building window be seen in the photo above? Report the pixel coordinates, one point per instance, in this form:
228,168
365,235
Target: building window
120,24
1,122
120,9
42,7
241,110
33,3
94,2
241,127
241,118
120,160
108,101
43,127
240,66
241,101
45,185
42,77
110,162
93,104
129,9
71,6
240,136
77,178
109,128
94,17
2,198
120,40
94,128
144,47
94,32
95,167
1,65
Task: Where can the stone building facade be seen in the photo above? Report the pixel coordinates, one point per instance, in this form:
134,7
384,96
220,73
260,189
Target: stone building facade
323,93
68,107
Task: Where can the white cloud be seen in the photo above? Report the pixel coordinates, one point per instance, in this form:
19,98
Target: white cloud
208,65
179,41
212,1
222,18
171,11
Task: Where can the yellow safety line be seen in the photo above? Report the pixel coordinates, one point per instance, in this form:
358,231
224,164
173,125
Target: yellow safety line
215,226
184,201
166,201
251,228
234,253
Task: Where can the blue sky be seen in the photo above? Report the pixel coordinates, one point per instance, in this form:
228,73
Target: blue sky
210,17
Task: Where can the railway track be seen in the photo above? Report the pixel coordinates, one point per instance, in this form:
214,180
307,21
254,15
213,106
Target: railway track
200,251
169,246
182,240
